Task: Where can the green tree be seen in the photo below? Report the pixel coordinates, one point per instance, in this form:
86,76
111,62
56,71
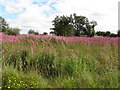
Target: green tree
101,33
62,26
113,35
79,24
107,33
33,32
4,27
45,33
3,24
93,24
73,26
36,33
12,31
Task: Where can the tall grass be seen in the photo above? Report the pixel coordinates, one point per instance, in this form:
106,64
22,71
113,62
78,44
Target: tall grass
60,62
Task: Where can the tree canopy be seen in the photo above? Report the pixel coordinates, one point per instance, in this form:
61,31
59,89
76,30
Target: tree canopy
3,24
32,32
73,25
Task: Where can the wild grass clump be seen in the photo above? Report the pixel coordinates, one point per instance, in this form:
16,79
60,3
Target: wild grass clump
12,78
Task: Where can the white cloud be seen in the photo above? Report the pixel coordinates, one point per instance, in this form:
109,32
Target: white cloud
30,15
105,12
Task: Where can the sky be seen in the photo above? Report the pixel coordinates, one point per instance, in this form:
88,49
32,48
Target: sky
39,14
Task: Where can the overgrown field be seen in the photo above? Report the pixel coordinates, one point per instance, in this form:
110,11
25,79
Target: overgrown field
33,61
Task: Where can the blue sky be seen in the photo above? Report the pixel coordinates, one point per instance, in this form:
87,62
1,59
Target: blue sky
38,14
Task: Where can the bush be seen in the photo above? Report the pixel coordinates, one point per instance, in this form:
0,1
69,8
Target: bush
12,31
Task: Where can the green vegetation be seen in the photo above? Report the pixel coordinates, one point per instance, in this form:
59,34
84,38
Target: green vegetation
107,33
4,27
49,62
73,25
32,32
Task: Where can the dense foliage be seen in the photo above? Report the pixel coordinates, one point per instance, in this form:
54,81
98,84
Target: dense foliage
12,31
73,25
32,32
3,24
34,61
107,33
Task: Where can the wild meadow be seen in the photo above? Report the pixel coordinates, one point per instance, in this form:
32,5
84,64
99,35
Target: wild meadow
35,61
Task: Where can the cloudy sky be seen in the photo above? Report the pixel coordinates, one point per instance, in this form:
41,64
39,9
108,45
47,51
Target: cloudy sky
38,14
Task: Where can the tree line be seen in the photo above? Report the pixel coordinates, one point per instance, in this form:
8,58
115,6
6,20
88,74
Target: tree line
72,25
107,34
4,27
